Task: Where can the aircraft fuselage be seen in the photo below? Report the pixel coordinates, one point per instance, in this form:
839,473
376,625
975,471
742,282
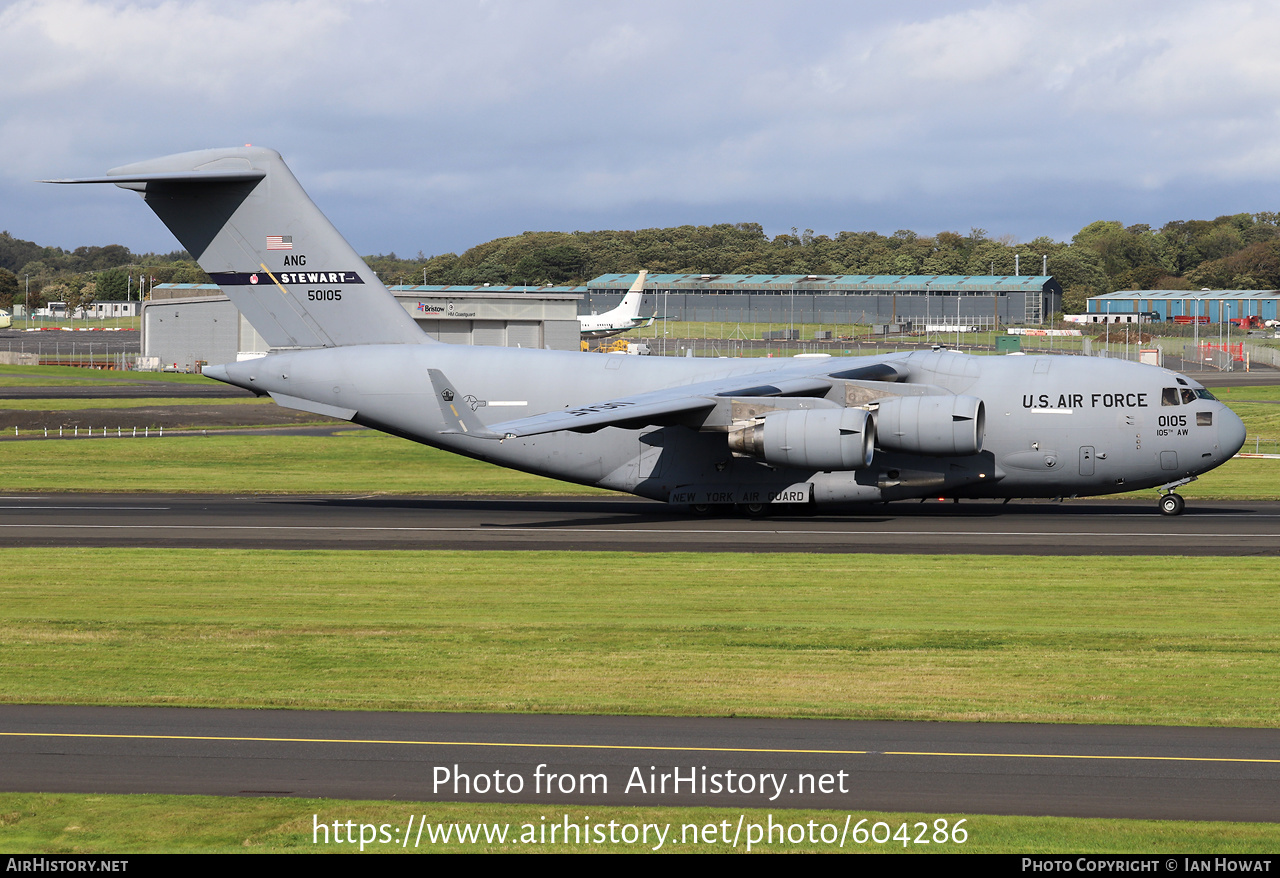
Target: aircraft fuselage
1054,425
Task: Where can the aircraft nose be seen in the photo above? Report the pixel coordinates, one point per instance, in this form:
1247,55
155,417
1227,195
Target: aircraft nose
1231,433
217,373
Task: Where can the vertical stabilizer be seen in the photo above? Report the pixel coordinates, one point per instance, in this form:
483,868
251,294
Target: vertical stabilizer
244,217
629,307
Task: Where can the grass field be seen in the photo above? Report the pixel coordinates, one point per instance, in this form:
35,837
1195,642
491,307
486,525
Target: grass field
1186,641
364,462
359,462
72,376
80,824
49,405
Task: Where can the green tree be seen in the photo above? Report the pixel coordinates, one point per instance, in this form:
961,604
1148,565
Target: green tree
113,285
79,296
8,288
58,292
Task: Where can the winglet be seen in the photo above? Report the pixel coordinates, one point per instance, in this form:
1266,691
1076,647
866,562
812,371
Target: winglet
458,416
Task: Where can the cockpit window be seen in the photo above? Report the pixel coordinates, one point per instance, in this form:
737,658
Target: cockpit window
1188,395
1169,396
1204,394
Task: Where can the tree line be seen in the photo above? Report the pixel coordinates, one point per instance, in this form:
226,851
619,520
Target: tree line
40,274
1241,251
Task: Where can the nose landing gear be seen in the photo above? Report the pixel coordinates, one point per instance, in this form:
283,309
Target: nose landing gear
1171,503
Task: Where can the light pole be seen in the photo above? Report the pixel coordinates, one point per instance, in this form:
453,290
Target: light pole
1231,366
791,321
1195,331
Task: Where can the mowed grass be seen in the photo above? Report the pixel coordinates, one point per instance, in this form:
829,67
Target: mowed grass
366,462
85,824
1237,479
355,462
47,405
1185,641
74,376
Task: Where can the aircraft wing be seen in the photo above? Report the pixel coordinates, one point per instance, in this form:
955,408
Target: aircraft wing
660,407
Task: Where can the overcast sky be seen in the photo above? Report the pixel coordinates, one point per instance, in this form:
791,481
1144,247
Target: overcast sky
435,126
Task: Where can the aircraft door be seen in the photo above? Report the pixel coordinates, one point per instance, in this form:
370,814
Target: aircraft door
1086,460
649,459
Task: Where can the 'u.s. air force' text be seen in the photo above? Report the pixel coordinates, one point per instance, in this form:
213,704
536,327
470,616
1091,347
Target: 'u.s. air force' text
1076,401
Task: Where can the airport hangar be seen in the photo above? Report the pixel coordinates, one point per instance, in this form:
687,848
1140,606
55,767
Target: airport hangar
184,325
1218,306
848,298
188,325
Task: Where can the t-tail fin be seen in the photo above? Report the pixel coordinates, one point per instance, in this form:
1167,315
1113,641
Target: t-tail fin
243,216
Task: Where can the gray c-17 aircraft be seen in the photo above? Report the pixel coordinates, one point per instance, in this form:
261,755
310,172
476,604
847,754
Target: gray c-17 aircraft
702,434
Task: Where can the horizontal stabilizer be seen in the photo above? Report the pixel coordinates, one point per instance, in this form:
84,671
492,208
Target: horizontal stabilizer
316,408
123,180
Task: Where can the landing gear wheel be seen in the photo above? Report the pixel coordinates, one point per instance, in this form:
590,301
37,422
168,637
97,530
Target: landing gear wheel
1172,504
754,510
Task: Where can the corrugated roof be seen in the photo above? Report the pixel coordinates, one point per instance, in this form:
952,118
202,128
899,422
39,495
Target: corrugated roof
1130,295
825,283
434,289
486,288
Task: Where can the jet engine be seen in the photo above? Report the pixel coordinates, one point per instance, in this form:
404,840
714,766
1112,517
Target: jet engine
818,439
937,426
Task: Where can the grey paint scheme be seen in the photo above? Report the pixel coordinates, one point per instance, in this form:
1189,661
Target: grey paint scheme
668,428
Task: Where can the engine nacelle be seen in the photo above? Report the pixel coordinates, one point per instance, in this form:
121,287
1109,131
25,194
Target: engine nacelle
937,426
817,439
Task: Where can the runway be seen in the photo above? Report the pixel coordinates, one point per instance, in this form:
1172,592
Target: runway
1071,771
1087,527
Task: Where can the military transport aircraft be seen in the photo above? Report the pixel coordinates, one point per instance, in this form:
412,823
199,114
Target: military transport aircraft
703,434
621,319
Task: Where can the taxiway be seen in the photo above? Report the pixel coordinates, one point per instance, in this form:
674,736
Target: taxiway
974,768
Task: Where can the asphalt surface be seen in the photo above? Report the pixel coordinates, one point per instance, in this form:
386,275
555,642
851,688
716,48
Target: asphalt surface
78,342
1071,771
1090,527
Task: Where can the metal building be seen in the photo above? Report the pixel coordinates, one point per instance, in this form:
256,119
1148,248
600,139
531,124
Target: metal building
1216,305
186,325
530,317
809,298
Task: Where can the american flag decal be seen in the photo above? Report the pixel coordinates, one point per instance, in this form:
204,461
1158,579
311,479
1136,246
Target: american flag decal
279,242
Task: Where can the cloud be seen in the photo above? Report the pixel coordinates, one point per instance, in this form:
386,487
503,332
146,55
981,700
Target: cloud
487,114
